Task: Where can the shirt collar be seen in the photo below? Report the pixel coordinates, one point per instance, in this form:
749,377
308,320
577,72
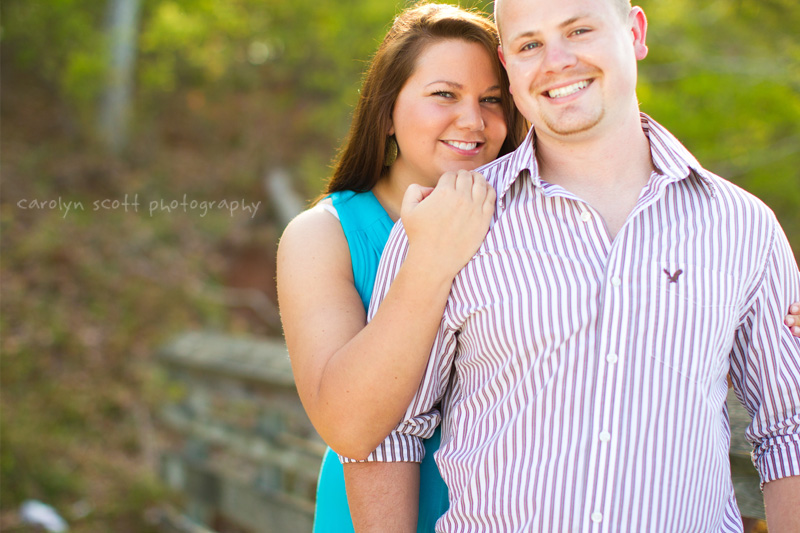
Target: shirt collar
523,159
670,158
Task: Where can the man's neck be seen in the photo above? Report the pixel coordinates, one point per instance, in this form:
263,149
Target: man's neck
619,157
607,171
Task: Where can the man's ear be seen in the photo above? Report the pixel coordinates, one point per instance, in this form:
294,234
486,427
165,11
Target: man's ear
638,24
503,61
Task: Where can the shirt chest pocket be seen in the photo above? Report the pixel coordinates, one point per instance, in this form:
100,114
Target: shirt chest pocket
693,318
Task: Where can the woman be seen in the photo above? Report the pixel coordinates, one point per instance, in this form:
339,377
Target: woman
434,102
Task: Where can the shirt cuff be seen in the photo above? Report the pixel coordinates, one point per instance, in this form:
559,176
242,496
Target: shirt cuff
778,457
396,448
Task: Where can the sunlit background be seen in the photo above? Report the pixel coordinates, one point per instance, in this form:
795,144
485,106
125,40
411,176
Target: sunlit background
140,147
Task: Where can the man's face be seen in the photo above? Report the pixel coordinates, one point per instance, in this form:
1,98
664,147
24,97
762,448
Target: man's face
572,63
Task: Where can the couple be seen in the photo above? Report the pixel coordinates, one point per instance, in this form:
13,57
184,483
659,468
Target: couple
579,353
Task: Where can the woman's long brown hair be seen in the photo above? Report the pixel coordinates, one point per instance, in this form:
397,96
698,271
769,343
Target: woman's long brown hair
359,165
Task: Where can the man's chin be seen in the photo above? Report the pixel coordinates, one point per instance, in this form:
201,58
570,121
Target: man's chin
572,125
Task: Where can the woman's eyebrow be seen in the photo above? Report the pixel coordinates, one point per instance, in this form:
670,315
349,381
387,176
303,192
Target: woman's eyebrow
457,85
450,83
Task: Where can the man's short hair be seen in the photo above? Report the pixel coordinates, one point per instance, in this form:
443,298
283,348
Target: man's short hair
623,6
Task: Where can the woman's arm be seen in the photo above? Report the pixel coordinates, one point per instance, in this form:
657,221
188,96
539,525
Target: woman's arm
356,382
383,497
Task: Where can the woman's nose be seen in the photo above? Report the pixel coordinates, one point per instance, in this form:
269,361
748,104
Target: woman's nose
471,117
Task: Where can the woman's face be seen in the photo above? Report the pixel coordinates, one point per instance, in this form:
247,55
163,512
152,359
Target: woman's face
448,115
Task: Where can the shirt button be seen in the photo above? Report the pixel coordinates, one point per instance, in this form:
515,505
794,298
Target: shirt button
612,358
615,281
586,216
605,436
597,517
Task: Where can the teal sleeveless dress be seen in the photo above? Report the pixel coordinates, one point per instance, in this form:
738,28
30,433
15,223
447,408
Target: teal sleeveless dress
366,226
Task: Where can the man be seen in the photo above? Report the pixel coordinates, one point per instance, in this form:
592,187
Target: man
582,359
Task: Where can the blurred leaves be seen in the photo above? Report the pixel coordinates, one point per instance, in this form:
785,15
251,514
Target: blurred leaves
724,77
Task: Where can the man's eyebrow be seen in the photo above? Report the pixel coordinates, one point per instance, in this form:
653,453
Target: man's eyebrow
573,20
524,35
533,33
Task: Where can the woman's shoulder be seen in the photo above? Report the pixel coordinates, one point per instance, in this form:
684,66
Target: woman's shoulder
313,254
320,220
314,234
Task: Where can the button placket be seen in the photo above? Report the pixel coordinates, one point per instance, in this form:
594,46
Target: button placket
606,445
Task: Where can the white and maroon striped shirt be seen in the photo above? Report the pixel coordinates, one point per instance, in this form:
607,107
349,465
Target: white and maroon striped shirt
584,378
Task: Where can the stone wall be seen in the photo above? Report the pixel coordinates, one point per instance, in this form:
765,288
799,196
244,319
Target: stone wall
246,457
244,453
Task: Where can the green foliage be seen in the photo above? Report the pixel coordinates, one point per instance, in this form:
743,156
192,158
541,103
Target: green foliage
59,41
724,77
88,296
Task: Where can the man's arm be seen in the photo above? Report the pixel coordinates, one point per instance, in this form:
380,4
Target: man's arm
383,497
765,370
782,500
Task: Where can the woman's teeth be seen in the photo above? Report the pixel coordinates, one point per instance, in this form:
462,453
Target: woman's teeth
462,145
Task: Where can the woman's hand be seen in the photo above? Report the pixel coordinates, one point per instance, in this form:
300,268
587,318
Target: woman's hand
447,224
793,319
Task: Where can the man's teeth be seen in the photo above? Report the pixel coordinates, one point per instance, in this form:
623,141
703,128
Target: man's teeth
568,90
462,145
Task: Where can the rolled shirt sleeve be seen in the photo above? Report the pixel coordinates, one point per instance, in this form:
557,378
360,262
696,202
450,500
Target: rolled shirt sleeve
765,365
404,444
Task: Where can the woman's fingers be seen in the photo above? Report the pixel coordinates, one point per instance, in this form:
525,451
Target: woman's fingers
793,319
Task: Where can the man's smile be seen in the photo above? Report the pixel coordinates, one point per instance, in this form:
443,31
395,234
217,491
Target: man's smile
568,90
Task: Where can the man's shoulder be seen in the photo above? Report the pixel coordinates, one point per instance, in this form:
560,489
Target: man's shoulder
672,157
736,201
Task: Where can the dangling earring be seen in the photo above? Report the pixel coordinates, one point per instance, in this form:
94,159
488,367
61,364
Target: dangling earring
391,151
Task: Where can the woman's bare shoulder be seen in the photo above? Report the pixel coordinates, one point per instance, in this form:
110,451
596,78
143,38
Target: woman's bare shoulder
311,222
314,235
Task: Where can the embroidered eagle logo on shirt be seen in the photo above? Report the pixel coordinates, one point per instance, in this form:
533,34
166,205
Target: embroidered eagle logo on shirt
673,278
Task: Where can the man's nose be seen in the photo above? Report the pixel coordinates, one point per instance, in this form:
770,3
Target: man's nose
558,56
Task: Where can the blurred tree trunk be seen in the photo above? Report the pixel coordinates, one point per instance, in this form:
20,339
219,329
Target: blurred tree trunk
123,26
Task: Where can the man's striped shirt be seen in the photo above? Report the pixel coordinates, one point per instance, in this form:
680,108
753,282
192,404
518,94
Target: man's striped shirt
583,378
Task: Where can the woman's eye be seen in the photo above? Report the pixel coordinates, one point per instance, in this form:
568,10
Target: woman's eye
581,31
492,100
444,94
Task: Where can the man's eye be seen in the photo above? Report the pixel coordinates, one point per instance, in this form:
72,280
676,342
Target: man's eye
581,31
530,46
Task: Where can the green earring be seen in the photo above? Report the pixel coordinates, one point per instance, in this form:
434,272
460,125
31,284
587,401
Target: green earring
391,151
